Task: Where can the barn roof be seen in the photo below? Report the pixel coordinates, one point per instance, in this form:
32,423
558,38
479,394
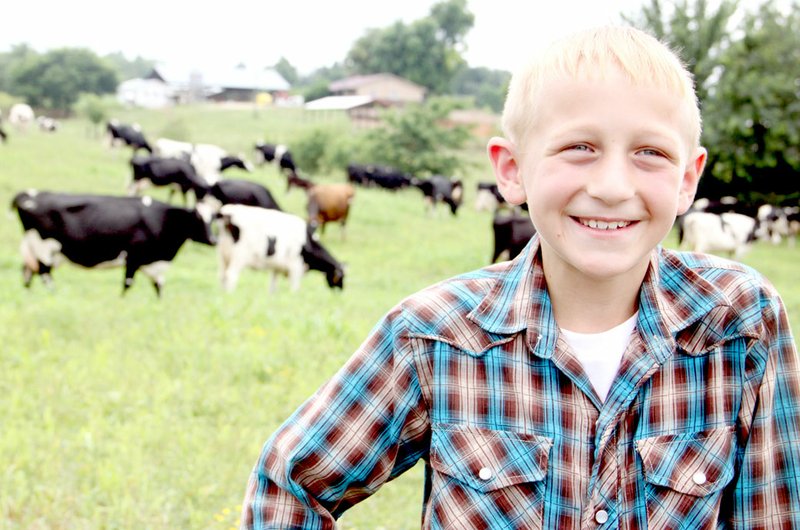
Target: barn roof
357,81
240,76
339,102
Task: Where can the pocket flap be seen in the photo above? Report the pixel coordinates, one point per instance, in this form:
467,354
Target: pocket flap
486,459
696,463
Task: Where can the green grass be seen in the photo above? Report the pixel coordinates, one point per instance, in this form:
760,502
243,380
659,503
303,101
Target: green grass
136,412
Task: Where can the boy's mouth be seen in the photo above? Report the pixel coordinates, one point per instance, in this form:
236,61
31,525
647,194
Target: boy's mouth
603,225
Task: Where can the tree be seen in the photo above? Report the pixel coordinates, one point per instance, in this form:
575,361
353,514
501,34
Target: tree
416,140
487,87
55,79
129,69
19,54
699,34
425,51
95,109
289,72
753,112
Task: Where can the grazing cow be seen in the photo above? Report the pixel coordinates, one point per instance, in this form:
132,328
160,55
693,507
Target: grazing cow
208,160
259,238
488,197
793,220
357,174
277,154
233,191
21,116
175,173
47,124
293,180
774,223
382,176
130,135
727,232
329,203
511,233
441,189
98,230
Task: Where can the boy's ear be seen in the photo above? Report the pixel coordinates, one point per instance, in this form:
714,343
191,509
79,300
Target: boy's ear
691,179
506,170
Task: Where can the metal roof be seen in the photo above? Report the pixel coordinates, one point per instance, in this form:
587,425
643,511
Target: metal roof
339,102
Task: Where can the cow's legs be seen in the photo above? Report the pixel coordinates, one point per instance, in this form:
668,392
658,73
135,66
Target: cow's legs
45,273
157,273
295,273
230,277
130,270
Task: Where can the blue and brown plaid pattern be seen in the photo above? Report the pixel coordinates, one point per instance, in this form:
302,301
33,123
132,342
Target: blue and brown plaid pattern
701,428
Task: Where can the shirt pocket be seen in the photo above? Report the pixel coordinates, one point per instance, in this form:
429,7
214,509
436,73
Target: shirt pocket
685,474
487,478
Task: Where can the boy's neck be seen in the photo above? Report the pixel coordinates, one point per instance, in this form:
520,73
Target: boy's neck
589,305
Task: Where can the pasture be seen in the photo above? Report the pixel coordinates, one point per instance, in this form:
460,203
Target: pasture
134,412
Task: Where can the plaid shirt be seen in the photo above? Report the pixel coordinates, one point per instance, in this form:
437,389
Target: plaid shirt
701,428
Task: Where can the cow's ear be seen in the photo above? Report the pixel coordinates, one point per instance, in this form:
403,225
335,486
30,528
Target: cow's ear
507,171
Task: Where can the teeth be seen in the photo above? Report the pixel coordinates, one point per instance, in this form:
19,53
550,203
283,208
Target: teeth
604,225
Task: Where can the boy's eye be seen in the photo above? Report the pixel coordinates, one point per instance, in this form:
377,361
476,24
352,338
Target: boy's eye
579,147
652,152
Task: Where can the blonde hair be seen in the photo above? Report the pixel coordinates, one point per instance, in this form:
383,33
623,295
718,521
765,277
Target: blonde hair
587,55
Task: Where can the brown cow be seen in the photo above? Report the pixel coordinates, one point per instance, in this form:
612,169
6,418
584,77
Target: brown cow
328,203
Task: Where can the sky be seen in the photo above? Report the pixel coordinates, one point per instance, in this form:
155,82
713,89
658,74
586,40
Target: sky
308,33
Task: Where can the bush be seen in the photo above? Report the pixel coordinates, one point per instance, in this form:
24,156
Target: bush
7,101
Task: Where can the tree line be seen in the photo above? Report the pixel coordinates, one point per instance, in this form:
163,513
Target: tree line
746,66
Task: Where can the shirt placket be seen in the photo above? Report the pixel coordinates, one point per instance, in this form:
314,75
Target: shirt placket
602,507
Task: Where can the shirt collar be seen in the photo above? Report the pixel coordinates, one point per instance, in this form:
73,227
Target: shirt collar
673,300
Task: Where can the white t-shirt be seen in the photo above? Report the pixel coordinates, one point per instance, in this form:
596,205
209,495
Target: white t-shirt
601,353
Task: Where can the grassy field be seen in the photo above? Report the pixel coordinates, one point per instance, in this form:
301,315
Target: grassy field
134,412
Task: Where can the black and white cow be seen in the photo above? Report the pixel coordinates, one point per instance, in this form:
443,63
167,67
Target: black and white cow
732,233
488,197
47,124
369,175
209,160
511,233
259,238
99,230
175,173
440,189
130,135
277,154
234,191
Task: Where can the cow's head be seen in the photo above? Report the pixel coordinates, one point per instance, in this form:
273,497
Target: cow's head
318,258
234,161
204,232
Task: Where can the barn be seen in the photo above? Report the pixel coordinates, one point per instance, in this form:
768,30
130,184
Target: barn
168,85
362,97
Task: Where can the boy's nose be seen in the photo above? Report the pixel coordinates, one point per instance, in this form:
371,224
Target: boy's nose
611,181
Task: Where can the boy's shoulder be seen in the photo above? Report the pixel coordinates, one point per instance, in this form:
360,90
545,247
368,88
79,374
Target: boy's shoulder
452,309
704,280
725,274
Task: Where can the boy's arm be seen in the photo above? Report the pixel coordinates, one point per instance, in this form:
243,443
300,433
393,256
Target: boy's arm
365,426
767,492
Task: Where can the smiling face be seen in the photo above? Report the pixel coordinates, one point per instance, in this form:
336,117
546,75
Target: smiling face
605,168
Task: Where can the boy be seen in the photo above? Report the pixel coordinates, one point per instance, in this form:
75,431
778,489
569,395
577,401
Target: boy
597,380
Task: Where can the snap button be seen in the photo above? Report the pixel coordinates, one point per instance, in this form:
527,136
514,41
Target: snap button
485,473
699,478
601,516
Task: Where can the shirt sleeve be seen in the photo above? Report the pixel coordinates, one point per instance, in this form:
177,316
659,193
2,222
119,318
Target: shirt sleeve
767,492
364,427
